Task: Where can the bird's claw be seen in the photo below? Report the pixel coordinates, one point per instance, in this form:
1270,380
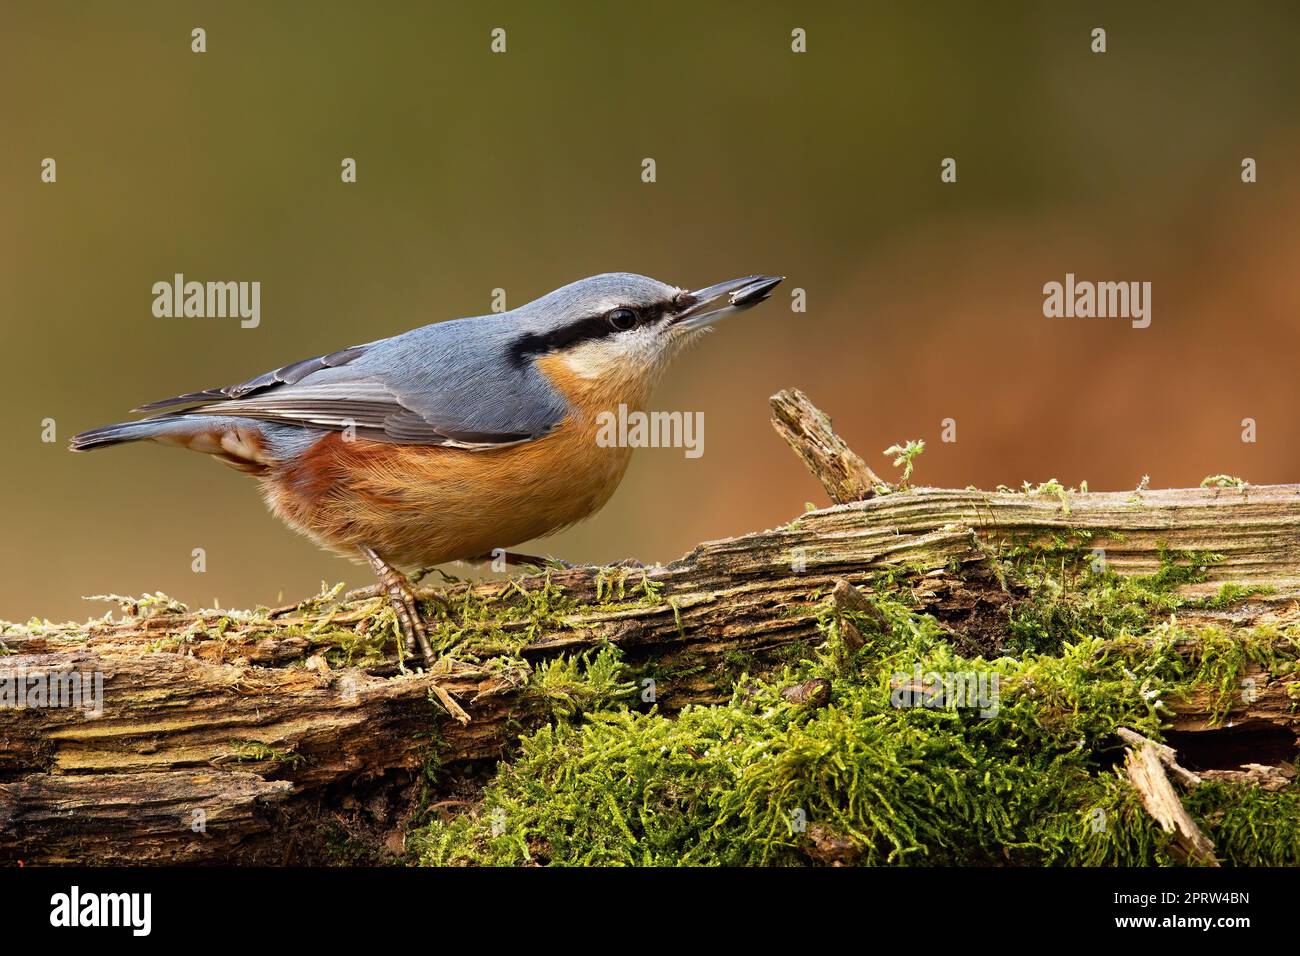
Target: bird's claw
405,606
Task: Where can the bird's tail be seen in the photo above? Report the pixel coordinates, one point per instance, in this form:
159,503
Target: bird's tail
122,432
241,443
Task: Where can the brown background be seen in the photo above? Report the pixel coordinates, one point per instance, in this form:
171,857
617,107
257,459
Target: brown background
523,171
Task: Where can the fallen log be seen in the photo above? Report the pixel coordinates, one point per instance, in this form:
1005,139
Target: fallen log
231,737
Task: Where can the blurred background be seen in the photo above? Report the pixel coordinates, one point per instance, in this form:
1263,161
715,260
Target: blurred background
523,171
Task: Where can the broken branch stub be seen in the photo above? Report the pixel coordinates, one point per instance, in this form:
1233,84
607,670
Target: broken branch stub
807,430
1167,755
1146,772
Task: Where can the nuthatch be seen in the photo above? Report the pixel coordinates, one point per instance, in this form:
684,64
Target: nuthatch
455,440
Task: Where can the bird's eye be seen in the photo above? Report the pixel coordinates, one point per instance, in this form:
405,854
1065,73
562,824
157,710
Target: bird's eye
620,320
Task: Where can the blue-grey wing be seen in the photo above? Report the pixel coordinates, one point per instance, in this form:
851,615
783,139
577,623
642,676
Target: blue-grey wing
285,375
447,384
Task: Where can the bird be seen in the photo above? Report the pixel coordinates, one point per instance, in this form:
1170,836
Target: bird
454,441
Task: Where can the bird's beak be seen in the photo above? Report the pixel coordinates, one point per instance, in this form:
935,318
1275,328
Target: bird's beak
706,306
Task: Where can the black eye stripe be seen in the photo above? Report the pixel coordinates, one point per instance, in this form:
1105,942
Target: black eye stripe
590,329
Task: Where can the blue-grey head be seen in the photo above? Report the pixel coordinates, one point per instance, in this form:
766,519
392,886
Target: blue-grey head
622,322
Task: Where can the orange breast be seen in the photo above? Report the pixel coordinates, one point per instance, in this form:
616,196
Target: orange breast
424,505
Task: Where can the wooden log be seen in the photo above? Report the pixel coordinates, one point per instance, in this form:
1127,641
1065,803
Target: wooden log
234,720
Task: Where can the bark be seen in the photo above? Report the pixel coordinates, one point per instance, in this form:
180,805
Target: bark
235,742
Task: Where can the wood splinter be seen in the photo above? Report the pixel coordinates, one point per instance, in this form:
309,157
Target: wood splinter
1146,772
1167,755
807,430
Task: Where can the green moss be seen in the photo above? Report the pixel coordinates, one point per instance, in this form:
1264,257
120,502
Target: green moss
1072,594
348,648
1052,488
255,751
1224,481
1249,826
905,456
1219,659
1033,782
1231,593
612,588
572,686
472,626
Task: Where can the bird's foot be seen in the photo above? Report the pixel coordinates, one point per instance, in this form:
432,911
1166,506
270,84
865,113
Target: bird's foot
404,604
411,625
